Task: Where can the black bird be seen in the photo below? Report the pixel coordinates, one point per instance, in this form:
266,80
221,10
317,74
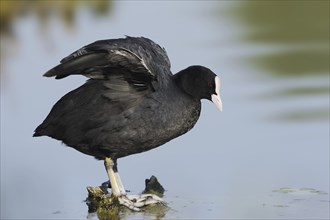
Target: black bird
132,102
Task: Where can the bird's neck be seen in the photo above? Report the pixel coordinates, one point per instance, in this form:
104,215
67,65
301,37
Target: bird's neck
186,83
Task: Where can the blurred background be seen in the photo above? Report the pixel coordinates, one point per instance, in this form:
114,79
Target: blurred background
266,156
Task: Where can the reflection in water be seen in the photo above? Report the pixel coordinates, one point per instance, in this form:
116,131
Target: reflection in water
62,10
151,211
318,113
300,29
296,34
65,10
301,91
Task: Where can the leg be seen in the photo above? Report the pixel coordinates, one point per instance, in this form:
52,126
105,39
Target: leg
120,184
116,185
108,163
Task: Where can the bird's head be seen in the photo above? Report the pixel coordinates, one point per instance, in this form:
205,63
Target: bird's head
201,83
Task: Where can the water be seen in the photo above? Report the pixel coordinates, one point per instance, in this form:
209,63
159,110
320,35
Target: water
273,133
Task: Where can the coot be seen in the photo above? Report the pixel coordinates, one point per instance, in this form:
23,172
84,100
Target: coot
131,103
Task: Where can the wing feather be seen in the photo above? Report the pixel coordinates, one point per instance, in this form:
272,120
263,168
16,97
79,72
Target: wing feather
137,55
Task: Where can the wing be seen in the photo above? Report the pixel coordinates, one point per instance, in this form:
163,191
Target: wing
104,58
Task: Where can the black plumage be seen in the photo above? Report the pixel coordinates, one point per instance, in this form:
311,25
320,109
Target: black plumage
132,103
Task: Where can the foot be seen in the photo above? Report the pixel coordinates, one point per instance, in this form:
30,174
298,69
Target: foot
118,190
135,202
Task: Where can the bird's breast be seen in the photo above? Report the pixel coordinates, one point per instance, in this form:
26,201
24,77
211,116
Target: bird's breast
162,121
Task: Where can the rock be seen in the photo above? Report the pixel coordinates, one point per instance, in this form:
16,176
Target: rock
154,187
105,206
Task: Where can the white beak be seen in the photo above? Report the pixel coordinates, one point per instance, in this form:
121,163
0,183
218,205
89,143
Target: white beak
217,101
216,97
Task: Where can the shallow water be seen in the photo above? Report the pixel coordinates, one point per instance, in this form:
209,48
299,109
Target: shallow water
266,156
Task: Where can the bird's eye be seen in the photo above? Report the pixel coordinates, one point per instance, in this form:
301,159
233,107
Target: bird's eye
210,84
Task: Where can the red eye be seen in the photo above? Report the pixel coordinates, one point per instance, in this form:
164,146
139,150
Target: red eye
210,84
